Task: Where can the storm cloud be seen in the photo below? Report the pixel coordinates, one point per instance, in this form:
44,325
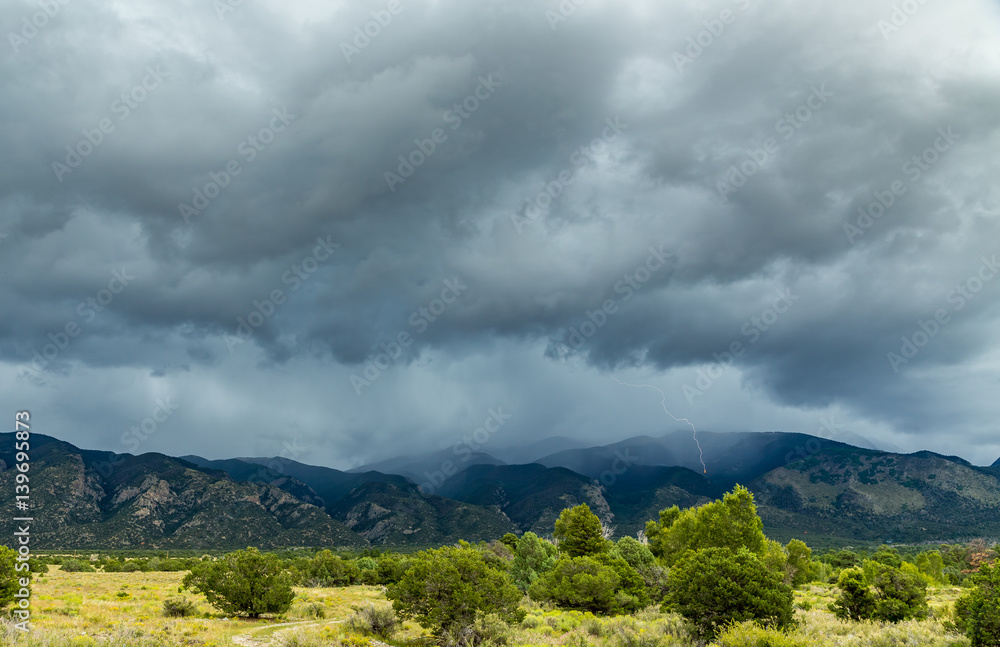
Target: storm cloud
350,229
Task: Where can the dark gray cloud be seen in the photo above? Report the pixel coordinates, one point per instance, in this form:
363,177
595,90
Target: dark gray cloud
284,201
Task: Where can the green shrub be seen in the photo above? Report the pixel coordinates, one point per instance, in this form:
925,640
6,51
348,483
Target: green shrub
856,601
583,583
752,634
9,576
72,565
897,596
327,569
176,606
245,583
533,557
488,630
531,622
315,610
977,613
450,587
716,586
375,621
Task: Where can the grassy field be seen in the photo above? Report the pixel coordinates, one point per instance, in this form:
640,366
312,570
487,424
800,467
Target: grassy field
125,610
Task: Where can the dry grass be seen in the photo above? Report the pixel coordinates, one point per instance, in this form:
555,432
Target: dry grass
125,610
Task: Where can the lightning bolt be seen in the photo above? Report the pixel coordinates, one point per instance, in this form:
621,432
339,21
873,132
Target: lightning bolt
663,403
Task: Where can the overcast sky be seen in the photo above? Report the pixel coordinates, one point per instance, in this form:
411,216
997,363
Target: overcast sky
221,215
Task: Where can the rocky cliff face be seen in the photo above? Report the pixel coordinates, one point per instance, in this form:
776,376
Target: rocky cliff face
81,499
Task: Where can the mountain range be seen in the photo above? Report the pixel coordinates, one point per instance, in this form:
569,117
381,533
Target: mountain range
805,486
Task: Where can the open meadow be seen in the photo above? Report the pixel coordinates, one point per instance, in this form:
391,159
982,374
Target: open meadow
126,610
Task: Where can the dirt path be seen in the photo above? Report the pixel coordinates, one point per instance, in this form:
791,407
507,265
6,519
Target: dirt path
247,639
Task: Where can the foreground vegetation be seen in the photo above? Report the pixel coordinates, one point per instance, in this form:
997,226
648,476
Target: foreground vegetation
701,576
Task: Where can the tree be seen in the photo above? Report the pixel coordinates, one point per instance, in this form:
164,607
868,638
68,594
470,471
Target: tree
888,556
597,583
579,583
579,532
639,557
450,588
855,601
9,576
245,583
633,552
775,558
799,563
897,596
901,596
327,569
931,564
509,540
731,523
842,559
533,557
977,613
715,587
